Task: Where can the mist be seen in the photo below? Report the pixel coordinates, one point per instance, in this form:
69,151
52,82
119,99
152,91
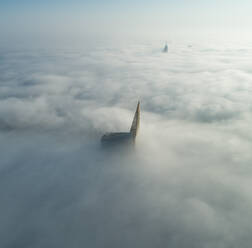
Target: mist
186,183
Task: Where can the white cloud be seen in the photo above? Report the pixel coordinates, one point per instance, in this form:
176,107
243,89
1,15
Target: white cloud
188,182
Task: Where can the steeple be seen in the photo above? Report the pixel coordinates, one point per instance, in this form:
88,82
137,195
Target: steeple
136,122
165,50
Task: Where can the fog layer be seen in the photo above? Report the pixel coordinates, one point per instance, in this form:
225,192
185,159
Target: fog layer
187,183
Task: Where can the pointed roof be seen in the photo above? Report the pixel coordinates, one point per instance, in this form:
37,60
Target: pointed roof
136,121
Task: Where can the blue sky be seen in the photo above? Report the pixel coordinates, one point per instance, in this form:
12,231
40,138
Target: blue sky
123,16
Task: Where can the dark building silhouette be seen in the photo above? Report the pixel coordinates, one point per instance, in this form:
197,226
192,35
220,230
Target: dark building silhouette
165,49
123,137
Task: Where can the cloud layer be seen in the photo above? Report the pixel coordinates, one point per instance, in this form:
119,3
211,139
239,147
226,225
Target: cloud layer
187,183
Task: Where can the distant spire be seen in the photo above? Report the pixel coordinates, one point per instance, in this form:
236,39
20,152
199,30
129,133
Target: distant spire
165,50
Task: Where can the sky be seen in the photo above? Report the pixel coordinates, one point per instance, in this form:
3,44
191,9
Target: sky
78,18
63,84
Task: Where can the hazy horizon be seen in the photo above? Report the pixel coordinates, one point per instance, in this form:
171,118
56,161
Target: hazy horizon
125,18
